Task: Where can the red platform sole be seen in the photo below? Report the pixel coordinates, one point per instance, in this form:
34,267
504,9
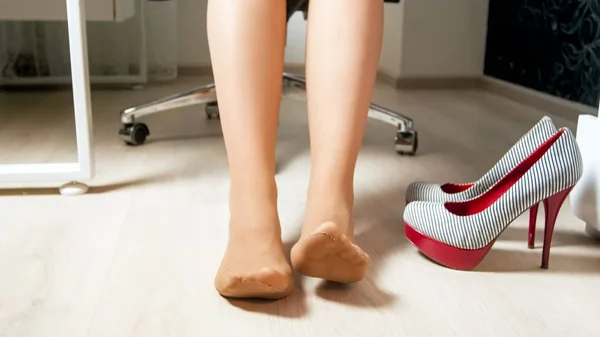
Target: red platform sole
449,256
467,259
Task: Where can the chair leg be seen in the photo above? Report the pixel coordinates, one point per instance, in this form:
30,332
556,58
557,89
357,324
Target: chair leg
406,141
136,133
200,95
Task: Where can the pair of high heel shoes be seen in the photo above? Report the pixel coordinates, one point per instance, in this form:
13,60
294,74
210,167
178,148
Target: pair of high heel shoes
457,224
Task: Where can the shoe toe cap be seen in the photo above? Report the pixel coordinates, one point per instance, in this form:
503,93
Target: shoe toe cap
421,191
424,216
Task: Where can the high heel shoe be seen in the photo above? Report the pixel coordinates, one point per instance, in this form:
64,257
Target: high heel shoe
422,191
460,234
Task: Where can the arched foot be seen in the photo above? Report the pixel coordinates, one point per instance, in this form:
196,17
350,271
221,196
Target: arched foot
73,188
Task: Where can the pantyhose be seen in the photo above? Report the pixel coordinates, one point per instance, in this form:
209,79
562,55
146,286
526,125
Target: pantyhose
247,40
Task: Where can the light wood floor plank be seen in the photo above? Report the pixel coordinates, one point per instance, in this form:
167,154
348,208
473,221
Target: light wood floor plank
136,257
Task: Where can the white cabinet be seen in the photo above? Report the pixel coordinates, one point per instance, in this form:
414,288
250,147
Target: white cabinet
56,10
585,197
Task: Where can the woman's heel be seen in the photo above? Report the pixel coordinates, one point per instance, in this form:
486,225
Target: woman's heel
533,212
552,207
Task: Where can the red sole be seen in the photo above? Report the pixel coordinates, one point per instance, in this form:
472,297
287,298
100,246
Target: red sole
449,256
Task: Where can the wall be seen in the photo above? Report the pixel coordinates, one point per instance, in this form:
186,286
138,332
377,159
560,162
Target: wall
551,46
422,38
443,38
193,42
391,53
295,47
392,40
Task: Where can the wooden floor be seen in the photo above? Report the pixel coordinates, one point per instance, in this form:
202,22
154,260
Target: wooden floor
136,256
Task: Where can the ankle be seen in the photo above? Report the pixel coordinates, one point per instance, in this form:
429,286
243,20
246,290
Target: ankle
253,206
331,193
329,204
252,188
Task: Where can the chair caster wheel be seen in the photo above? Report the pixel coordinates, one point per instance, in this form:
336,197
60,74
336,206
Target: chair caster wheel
134,134
407,142
212,110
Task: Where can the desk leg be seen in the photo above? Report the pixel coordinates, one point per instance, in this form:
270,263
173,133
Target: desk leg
83,169
81,93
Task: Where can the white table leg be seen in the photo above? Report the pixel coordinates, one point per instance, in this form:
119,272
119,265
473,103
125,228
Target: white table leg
83,168
81,84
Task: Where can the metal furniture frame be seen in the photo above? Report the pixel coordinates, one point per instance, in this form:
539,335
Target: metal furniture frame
83,168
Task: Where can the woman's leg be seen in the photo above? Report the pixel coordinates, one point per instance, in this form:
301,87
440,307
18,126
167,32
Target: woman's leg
247,39
342,57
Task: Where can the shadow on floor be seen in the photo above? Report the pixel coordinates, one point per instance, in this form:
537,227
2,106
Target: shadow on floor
560,238
293,306
501,260
92,189
364,294
175,138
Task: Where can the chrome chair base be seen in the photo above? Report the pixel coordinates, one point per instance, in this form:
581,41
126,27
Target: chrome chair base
134,133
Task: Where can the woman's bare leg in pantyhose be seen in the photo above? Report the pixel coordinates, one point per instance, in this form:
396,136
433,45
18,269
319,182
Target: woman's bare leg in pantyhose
247,39
342,56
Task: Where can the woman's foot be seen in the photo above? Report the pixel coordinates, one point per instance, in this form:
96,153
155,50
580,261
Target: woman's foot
326,249
254,265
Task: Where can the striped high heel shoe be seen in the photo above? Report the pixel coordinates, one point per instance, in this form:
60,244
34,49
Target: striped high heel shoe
422,191
460,234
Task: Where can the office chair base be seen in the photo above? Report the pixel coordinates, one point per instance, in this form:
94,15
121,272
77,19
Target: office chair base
294,86
201,95
134,134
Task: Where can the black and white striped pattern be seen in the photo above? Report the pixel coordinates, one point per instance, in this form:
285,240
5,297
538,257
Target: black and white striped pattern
423,191
558,169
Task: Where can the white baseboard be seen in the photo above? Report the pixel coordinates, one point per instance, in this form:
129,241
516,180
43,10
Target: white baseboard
542,101
431,83
206,70
539,100
195,70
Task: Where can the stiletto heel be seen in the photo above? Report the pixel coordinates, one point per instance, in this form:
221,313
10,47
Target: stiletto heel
533,212
552,207
460,234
